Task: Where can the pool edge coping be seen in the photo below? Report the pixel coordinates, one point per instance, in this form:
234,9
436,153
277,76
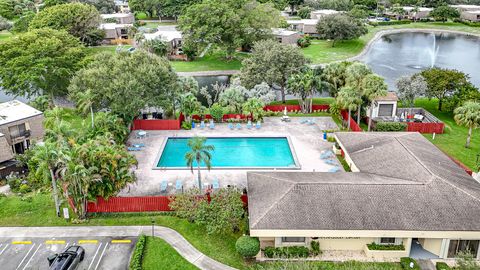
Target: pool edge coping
297,166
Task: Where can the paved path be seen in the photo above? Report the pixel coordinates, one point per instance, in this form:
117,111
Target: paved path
209,73
183,247
426,264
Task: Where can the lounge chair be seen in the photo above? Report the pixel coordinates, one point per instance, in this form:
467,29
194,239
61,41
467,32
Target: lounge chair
330,162
134,148
212,125
163,186
230,126
215,184
202,125
334,169
249,124
138,145
239,126
258,125
179,185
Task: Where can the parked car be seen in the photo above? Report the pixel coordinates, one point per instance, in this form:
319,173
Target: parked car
67,260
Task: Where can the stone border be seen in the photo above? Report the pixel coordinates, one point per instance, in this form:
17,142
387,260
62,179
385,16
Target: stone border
382,33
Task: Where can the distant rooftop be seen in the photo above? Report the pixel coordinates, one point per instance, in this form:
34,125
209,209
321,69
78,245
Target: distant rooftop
110,26
408,8
115,15
15,110
303,21
391,96
325,11
283,32
166,35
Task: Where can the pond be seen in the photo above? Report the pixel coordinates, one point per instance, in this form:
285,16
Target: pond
399,54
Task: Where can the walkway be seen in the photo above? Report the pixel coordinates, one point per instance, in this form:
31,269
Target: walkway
208,73
180,244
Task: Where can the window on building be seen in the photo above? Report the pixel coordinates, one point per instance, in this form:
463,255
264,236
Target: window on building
457,246
293,239
17,131
387,240
385,110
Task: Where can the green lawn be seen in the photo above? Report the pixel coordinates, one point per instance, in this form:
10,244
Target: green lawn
351,265
4,35
213,61
154,25
454,138
160,255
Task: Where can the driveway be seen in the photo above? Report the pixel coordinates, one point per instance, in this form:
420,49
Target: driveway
22,253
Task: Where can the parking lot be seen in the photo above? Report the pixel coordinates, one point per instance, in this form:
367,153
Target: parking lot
100,252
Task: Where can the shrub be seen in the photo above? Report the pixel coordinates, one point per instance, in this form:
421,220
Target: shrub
303,42
442,266
186,125
286,252
247,246
375,246
390,126
304,12
137,256
315,248
405,262
217,111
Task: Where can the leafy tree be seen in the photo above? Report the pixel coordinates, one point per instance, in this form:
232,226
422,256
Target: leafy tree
189,105
466,92
233,97
200,153
227,24
4,24
156,46
293,4
398,10
185,204
330,4
334,75
126,82
7,8
411,87
40,103
217,111
21,25
273,63
278,4
304,84
39,62
370,4
263,92
103,6
444,13
340,27
175,8
50,3
304,12
247,246
468,115
466,261
108,124
185,85
373,87
254,107
349,98
443,83
359,12
80,20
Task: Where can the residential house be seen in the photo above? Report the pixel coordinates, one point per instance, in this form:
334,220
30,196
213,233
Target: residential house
119,18
20,124
286,36
402,190
385,106
417,13
304,26
122,6
469,12
318,14
170,35
116,27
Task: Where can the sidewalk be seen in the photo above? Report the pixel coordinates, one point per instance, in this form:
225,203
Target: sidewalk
176,240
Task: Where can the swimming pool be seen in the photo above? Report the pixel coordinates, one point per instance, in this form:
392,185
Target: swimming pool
233,153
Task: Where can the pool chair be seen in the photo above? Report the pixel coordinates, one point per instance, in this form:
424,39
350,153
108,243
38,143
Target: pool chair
212,125
163,186
330,162
230,126
138,145
334,169
215,184
239,126
249,124
326,154
202,125
311,122
178,185
304,121
134,148
258,125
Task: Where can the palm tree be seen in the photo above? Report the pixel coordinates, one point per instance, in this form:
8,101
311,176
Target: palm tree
199,152
305,84
355,75
348,99
468,115
254,107
85,103
373,87
334,75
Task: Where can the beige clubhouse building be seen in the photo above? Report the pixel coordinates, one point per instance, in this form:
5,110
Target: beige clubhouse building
402,190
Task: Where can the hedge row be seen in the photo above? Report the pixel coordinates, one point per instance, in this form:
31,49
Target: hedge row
390,126
375,246
287,252
442,266
389,23
137,256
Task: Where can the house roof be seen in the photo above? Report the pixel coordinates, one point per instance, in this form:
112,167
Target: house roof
111,26
409,8
166,35
325,11
283,32
15,110
391,96
303,21
404,183
116,15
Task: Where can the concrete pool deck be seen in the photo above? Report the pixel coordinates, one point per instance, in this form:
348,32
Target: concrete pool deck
306,140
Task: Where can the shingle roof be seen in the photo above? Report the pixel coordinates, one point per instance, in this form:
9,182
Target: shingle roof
15,110
405,183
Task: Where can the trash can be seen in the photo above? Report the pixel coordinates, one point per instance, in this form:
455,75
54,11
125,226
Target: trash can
325,135
193,124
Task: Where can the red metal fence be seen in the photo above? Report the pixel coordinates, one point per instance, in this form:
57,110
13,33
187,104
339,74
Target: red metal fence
353,125
156,124
290,108
135,204
425,127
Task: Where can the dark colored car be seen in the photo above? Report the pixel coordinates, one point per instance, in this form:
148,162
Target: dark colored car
67,260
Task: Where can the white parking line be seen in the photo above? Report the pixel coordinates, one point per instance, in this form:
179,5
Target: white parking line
3,250
26,255
31,257
96,252
101,256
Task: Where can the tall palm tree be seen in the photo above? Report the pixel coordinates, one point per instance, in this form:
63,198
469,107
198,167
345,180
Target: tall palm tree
355,74
305,84
85,103
373,87
349,99
199,152
468,115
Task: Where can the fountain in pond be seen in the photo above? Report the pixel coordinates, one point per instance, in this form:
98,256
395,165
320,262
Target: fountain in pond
433,51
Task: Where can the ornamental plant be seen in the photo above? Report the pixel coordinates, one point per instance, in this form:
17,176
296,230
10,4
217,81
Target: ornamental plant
247,246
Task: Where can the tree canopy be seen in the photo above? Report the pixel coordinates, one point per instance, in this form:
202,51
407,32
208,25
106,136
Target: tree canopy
80,20
273,63
340,27
468,115
227,24
444,13
411,87
443,83
39,62
126,82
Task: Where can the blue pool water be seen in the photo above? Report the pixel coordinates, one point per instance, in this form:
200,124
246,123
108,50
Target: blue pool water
233,152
